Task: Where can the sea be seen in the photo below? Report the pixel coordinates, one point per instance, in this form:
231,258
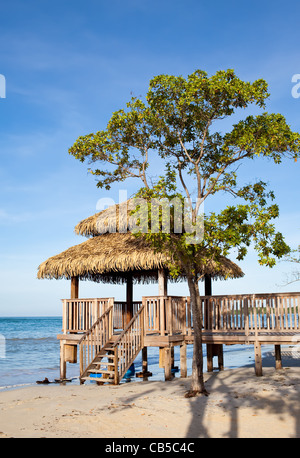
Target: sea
29,352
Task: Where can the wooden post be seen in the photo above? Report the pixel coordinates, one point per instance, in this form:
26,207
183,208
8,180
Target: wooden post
258,361
209,357
162,315
278,361
129,298
168,363
183,366
162,283
212,349
207,285
172,358
63,354
74,287
162,291
63,365
161,357
115,366
169,316
220,357
145,363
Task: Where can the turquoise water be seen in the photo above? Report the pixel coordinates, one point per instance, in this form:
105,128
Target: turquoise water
29,352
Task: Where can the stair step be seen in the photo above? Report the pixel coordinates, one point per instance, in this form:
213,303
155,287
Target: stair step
101,371
105,356
102,380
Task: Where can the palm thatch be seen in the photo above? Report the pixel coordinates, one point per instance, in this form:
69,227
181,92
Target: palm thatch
116,218
110,257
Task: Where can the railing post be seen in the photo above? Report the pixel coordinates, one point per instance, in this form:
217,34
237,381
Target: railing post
246,318
142,318
81,359
162,314
183,314
189,315
64,317
116,375
111,321
170,315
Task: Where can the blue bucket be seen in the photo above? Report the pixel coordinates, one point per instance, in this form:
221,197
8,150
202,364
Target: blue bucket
95,375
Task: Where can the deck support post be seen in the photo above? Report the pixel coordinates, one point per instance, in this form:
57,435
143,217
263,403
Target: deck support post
209,357
63,356
220,357
278,361
161,357
183,366
258,361
63,364
144,361
168,363
212,349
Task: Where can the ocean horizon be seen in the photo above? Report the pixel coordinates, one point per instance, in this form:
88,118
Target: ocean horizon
30,351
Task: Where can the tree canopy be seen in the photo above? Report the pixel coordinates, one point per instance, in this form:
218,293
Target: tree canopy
176,122
180,122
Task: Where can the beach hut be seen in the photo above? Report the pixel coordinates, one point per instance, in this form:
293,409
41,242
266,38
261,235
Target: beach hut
112,254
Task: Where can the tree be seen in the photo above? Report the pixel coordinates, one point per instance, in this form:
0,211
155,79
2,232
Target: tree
178,124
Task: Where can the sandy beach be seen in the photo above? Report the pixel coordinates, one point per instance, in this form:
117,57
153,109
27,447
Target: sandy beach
240,405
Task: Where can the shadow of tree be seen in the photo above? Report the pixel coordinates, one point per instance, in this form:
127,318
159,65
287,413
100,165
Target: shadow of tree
276,393
232,388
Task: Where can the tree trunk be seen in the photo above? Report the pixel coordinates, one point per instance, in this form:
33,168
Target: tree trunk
197,385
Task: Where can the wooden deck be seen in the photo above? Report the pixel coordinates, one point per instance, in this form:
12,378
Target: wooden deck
108,346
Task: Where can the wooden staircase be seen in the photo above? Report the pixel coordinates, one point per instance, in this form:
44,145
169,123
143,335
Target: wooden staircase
105,357
103,368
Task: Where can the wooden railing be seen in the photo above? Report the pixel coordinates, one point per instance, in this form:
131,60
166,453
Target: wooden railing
129,344
167,314
94,340
80,314
120,311
251,312
242,312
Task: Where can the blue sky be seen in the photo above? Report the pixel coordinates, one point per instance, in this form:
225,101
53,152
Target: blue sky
68,66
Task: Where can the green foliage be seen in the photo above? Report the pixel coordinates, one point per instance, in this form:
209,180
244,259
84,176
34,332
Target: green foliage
176,122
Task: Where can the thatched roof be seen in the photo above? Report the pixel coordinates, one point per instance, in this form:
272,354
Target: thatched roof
109,257
116,218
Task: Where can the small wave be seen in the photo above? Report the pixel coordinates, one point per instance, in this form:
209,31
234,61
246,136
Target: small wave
19,385
45,339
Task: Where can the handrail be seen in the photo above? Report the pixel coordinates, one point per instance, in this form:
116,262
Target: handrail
129,344
94,340
101,318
